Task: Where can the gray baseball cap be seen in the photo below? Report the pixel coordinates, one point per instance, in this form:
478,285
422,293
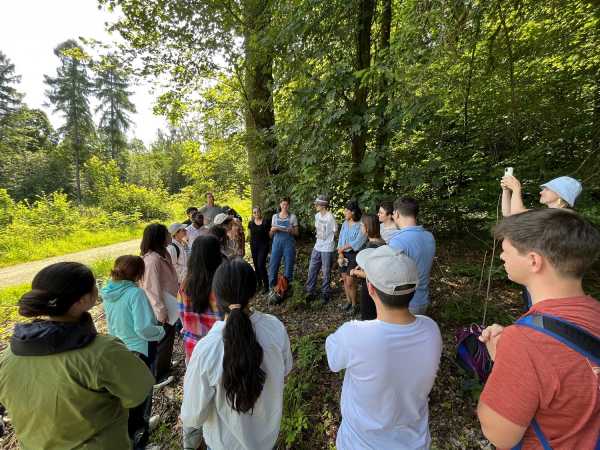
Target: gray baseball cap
175,227
322,200
388,270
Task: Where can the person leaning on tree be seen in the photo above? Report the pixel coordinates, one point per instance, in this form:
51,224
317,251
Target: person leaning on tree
536,376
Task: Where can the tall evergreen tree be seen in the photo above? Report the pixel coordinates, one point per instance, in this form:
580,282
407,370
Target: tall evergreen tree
68,92
10,98
112,83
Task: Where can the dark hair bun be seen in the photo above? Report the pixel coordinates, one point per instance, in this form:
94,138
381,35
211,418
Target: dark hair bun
38,302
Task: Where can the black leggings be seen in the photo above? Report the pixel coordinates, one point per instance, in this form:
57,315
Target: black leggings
139,417
259,257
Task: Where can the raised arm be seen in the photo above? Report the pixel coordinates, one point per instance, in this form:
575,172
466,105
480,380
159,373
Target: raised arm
514,200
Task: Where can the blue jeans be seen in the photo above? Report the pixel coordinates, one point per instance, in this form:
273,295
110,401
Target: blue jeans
283,247
319,261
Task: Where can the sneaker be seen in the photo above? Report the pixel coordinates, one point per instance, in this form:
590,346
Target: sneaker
153,423
324,299
346,307
165,382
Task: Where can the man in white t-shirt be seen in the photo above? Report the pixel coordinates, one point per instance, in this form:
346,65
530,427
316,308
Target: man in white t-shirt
196,229
322,254
391,362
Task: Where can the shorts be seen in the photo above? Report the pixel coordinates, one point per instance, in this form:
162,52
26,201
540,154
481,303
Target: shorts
350,255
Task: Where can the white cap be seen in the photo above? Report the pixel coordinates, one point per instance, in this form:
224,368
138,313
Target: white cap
221,218
388,270
175,227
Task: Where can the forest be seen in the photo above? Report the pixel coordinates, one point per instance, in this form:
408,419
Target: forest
354,99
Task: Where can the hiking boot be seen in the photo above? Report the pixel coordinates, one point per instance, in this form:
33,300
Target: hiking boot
274,298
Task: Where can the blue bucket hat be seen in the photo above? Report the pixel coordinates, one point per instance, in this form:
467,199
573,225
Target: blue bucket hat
566,188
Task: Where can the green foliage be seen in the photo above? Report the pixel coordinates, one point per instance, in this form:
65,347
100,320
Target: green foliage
309,353
10,98
104,189
53,225
111,89
68,92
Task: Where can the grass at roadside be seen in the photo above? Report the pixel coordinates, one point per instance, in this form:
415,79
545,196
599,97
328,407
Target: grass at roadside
10,296
26,250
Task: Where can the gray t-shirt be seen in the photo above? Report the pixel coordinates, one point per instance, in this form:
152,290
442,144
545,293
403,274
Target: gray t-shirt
209,213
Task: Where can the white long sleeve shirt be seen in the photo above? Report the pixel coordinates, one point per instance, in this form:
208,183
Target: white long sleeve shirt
204,400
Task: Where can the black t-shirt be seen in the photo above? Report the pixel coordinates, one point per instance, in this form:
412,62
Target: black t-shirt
259,234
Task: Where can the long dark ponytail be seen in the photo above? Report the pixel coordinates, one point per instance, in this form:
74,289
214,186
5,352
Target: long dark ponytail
206,256
234,284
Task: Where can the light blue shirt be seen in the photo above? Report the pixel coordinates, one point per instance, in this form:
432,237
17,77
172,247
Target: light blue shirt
418,244
129,315
353,235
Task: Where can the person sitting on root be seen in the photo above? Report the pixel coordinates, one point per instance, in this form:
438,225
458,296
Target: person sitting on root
561,192
233,386
65,385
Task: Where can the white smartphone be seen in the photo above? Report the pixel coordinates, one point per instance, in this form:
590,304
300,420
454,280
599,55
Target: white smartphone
508,172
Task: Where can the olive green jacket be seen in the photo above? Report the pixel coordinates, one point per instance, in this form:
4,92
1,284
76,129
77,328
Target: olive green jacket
77,399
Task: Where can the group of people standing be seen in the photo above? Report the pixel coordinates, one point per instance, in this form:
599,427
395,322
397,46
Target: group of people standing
97,389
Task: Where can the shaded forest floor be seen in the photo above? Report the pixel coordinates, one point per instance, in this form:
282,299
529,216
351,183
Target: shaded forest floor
311,409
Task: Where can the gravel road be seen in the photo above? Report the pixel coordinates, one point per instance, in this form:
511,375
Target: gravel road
24,273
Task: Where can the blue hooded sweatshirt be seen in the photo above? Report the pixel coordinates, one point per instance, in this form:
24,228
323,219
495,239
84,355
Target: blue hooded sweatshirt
130,316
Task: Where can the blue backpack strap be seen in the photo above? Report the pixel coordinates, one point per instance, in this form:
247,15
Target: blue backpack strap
569,334
573,337
540,435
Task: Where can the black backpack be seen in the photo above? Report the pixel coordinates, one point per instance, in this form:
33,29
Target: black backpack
176,249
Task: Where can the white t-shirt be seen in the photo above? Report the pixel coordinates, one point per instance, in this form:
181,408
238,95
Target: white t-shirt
326,227
390,370
204,401
387,233
193,233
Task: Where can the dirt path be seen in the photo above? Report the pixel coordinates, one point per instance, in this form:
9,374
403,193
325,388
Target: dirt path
24,273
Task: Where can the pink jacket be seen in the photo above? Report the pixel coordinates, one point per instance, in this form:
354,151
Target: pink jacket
159,276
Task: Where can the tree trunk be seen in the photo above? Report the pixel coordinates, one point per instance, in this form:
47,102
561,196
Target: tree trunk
258,91
382,139
359,102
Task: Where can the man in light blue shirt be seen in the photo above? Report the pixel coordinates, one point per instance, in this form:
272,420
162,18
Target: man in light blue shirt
416,242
